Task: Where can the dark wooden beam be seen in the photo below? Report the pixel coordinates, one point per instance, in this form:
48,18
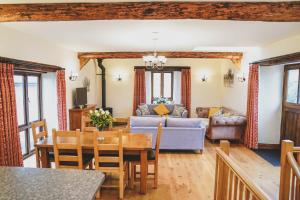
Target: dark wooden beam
22,65
279,60
243,11
235,57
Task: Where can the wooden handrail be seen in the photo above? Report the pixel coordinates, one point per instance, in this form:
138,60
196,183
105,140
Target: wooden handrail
294,165
234,182
290,171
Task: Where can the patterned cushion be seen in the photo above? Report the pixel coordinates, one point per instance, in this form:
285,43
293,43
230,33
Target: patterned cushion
213,111
161,109
178,110
144,109
230,120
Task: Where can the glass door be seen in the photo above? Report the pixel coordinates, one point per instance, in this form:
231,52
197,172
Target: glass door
29,109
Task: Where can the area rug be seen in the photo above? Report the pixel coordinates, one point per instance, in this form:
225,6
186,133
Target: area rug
270,155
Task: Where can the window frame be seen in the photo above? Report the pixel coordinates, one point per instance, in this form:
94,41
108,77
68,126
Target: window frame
27,125
285,84
162,82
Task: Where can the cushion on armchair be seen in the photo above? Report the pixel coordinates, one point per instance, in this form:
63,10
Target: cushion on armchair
229,120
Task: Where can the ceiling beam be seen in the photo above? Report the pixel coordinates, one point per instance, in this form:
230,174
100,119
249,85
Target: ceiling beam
279,60
235,57
243,11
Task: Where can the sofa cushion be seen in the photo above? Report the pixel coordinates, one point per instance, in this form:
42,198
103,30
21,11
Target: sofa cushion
184,122
144,109
161,109
146,121
178,110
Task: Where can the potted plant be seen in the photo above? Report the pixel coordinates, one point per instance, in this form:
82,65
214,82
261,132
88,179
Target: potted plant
163,100
101,119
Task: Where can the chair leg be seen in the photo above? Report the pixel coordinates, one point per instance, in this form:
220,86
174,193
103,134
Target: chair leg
132,174
121,186
155,175
37,158
98,194
91,165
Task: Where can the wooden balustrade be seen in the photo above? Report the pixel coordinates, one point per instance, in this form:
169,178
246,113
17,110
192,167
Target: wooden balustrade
231,182
290,171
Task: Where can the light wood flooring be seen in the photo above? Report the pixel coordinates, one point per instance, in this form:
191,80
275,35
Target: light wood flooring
190,175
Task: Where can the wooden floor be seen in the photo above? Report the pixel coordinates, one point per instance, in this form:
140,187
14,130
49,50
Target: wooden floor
189,175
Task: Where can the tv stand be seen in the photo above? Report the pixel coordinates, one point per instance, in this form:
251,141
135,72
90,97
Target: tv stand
75,115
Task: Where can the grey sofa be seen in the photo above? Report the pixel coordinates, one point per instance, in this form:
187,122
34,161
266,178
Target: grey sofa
177,133
170,108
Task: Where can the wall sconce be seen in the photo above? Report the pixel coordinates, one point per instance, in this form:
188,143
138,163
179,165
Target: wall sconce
204,79
119,78
73,76
242,78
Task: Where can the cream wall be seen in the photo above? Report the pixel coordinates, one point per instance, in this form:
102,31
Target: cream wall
90,71
270,99
18,45
270,94
120,94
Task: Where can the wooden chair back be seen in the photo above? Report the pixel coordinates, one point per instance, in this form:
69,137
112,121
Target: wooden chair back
85,123
67,149
109,152
158,136
40,134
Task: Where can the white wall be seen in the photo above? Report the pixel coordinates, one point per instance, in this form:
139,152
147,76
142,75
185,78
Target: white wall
270,99
270,94
49,99
18,45
120,94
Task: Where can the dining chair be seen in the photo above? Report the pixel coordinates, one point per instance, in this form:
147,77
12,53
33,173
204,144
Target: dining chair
40,134
152,157
108,152
67,150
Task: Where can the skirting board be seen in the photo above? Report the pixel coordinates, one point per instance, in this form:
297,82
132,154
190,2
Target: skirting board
268,146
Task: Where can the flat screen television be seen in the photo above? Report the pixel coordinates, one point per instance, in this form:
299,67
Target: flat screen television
81,97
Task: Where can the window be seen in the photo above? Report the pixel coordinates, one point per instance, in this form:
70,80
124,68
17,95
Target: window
162,84
292,84
29,109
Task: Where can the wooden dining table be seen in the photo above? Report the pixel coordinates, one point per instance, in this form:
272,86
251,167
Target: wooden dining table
133,144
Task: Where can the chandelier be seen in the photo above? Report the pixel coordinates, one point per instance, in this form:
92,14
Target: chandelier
154,61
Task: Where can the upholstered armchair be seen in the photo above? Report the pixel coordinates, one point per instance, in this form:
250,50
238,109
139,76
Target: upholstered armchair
228,124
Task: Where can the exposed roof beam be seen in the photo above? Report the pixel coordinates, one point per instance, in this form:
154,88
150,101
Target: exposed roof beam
279,60
243,11
235,57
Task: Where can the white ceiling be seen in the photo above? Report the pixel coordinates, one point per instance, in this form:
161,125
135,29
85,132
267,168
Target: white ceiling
174,35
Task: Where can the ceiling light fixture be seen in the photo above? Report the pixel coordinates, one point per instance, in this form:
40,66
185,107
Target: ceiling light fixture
154,61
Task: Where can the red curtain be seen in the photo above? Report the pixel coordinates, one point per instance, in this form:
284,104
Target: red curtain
139,89
10,148
61,99
186,89
251,135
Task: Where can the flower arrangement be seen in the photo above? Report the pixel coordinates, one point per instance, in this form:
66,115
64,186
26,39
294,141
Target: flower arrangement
100,118
159,100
